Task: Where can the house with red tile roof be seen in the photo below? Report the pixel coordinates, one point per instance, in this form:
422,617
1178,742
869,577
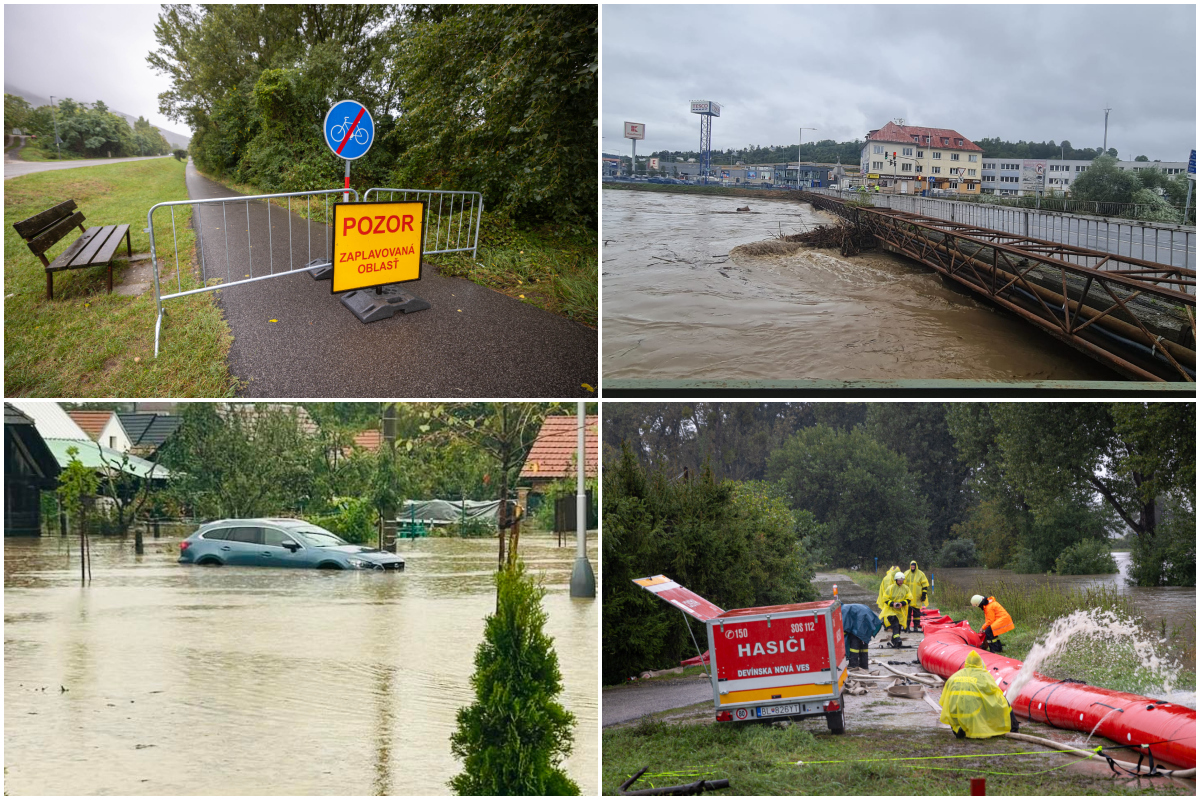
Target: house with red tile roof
103,427
553,455
909,159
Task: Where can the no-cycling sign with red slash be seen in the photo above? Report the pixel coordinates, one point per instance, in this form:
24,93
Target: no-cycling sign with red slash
376,244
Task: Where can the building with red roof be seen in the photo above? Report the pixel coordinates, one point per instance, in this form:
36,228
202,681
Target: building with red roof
553,455
910,159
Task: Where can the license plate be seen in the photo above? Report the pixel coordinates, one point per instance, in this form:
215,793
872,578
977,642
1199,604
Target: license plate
776,711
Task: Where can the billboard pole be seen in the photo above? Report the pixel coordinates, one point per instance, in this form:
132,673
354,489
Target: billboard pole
633,132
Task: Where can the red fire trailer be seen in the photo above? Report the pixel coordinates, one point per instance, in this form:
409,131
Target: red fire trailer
770,662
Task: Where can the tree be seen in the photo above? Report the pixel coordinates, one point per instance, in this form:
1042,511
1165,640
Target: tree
240,460
1103,182
1038,457
861,492
16,113
128,492
512,740
1141,158
77,484
1112,151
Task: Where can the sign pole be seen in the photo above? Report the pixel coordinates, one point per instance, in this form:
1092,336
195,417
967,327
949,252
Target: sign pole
346,195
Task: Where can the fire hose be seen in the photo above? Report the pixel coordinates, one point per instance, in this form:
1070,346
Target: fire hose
1135,768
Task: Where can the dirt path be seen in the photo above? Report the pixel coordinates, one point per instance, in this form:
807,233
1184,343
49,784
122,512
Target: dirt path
15,167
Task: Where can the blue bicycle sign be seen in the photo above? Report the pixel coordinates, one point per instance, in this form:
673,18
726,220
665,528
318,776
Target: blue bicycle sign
349,130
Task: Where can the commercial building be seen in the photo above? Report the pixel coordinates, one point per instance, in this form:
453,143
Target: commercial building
1017,177
924,158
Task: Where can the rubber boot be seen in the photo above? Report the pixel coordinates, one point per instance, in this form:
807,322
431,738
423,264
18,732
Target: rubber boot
1015,726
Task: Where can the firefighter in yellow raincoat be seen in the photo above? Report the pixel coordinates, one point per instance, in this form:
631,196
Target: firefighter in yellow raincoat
973,705
918,587
893,606
889,578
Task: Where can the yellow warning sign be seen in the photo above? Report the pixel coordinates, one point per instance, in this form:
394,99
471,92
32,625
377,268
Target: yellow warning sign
376,243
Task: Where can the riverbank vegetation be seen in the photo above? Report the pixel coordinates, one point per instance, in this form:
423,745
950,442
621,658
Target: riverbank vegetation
762,760
495,99
86,342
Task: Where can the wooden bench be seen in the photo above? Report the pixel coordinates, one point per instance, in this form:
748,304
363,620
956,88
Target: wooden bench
96,247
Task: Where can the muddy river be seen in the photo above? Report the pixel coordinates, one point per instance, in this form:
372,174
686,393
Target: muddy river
678,305
161,679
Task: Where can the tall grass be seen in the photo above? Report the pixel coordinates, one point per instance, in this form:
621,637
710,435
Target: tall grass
1030,603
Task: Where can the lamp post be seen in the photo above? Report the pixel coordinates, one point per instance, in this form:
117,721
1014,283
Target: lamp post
802,130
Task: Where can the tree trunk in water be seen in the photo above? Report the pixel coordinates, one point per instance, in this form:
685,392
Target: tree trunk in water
138,545
514,541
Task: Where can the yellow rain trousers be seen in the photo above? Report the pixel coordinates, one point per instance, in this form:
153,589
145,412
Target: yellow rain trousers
972,701
917,583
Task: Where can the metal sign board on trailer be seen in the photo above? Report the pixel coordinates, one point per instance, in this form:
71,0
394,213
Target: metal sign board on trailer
681,597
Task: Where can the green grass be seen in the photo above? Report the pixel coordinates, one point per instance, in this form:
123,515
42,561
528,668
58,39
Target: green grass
761,760
553,267
87,343
35,153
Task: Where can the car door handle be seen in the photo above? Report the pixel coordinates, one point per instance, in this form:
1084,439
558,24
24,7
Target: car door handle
265,553
226,547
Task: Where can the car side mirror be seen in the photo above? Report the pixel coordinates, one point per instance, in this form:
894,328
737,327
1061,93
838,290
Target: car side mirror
291,546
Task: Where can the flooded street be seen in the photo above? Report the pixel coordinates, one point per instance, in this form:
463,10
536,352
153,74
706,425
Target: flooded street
678,305
164,679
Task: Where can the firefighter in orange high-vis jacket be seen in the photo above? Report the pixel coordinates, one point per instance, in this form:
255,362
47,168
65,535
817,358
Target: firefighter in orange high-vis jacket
996,622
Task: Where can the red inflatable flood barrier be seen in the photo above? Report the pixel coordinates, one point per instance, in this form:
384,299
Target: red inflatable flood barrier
1127,719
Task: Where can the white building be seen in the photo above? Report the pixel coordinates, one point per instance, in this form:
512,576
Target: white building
1017,177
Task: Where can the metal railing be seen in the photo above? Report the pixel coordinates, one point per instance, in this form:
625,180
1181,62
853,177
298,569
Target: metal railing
228,281
444,217
1172,245
1067,205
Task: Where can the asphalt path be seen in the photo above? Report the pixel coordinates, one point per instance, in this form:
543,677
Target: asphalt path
294,339
14,168
626,703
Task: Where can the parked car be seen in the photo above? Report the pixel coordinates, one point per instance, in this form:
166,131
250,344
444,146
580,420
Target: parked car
279,543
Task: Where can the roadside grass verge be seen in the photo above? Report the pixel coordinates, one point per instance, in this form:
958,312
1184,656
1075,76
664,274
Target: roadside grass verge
761,759
85,342
35,152
553,267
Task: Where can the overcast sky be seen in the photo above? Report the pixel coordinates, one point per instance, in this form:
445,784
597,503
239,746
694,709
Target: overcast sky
1018,72
87,53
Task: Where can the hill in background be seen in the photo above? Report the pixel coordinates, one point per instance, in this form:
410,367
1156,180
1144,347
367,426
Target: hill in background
174,139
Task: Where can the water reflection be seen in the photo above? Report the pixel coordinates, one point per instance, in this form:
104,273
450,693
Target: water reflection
164,679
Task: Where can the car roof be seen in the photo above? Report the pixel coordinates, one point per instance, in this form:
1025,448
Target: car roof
279,522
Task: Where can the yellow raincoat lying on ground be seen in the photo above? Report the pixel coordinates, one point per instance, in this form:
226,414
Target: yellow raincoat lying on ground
896,593
917,585
972,701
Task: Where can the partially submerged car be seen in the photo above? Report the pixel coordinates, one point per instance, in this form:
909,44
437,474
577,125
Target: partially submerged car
279,543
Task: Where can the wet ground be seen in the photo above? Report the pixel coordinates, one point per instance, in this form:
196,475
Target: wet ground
165,679
681,302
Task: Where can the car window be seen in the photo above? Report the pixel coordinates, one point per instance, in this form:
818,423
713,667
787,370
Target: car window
275,537
247,535
320,538
220,533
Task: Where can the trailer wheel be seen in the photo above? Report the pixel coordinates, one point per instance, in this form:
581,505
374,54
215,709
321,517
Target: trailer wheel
836,722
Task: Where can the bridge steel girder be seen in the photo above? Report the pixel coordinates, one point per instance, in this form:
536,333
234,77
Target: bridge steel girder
960,252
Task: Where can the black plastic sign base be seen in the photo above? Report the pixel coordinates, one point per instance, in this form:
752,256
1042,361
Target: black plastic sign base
320,268
371,307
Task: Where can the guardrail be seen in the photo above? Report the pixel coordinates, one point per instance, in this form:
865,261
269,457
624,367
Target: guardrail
1163,244
470,211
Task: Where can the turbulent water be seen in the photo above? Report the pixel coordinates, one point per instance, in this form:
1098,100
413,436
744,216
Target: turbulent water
162,679
677,304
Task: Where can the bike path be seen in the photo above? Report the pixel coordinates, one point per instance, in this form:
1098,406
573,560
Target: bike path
15,168
473,342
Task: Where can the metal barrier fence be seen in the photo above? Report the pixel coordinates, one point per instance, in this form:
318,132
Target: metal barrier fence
1163,244
470,211
228,280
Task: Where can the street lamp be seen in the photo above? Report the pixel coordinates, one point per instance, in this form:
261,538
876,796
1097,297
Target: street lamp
54,113
801,142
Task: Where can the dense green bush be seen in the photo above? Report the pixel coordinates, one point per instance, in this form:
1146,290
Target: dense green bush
736,544
354,522
1169,557
1089,557
958,553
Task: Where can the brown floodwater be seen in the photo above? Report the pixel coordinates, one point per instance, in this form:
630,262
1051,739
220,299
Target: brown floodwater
162,679
678,304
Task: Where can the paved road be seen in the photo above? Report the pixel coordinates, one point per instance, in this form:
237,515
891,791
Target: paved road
14,168
473,342
626,703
